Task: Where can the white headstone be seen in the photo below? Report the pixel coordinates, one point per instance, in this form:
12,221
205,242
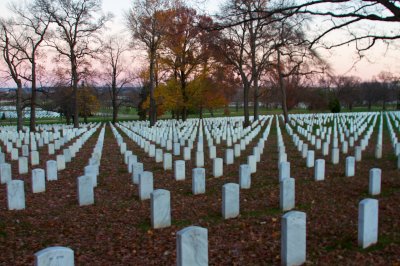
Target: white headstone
192,246
60,256
335,155
145,185
218,168
25,150
199,159
160,208
198,181
38,180
132,159
91,170
213,152
51,149
51,170
23,165
287,194
319,170
293,238
375,181
34,158
159,155
179,170
14,154
230,200
177,149
284,170
167,162
85,190
367,222
350,166
5,172
310,158
358,153
244,176
67,155
251,161
137,170
16,195
187,153
60,162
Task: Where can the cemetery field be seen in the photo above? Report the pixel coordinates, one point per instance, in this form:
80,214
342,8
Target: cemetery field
116,227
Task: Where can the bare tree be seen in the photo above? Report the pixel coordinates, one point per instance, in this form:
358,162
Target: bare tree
293,56
348,15
12,58
34,24
147,22
346,88
246,46
116,71
75,38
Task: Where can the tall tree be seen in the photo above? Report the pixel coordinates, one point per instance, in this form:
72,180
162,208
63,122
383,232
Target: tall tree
147,21
78,23
185,50
346,87
293,57
12,58
34,24
246,44
116,71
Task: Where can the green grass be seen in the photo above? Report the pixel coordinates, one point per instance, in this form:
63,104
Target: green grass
144,226
261,213
181,223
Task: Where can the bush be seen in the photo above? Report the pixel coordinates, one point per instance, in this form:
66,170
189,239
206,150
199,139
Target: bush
334,105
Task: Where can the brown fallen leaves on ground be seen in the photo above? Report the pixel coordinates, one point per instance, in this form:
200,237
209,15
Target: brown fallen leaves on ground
116,230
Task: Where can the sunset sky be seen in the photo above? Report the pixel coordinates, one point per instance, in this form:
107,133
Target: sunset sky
342,59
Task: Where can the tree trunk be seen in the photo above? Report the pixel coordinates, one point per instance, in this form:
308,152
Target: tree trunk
115,115
114,98
255,96
20,119
75,90
32,122
153,110
201,112
283,89
369,106
68,118
398,100
284,102
184,96
85,118
246,104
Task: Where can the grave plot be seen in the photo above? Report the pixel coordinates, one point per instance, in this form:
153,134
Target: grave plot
213,192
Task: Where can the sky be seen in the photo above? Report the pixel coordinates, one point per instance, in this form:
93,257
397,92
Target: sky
342,59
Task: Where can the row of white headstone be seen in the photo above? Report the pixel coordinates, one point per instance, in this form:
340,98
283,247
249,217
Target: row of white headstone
15,188
144,179
89,180
192,241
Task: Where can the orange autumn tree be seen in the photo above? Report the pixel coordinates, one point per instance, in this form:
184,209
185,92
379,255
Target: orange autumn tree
207,94
88,103
184,52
